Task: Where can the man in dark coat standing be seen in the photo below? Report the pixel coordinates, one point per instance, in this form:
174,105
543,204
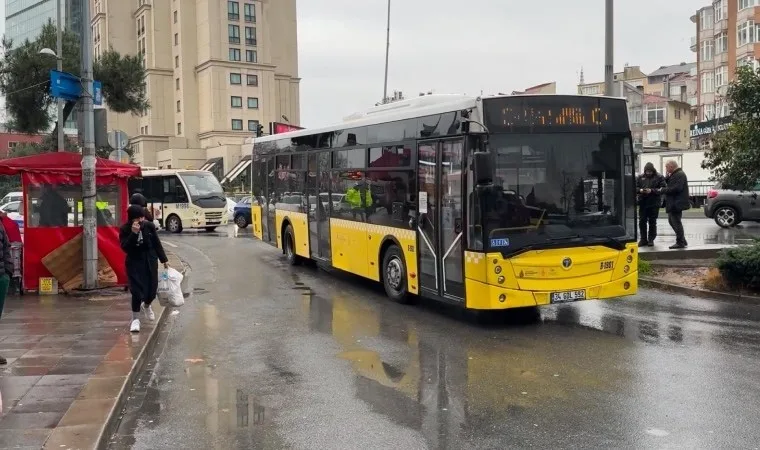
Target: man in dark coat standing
649,203
676,200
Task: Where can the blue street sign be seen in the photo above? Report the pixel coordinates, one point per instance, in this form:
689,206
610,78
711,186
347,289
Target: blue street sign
97,93
65,85
69,87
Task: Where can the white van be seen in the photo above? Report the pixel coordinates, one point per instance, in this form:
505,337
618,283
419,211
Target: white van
12,197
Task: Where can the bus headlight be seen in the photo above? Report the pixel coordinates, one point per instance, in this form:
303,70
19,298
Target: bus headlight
497,270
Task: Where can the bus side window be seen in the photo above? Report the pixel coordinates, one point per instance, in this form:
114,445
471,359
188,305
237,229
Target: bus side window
174,192
152,190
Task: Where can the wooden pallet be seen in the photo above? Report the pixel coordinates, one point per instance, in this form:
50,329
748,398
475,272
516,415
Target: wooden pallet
66,265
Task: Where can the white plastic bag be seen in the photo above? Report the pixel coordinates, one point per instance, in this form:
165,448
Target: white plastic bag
164,287
170,288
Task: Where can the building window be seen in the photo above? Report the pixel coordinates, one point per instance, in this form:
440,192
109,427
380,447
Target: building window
233,11
746,33
253,103
707,50
591,90
251,56
721,43
656,135
250,36
12,144
178,106
719,10
233,31
176,61
253,125
234,54
677,114
249,11
635,116
176,84
746,3
706,19
235,78
179,128
655,113
678,135
721,76
236,102
709,111
708,83
237,124
251,80
175,16
176,38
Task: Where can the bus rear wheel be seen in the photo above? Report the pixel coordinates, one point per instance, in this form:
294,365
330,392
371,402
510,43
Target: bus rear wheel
173,224
289,246
394,275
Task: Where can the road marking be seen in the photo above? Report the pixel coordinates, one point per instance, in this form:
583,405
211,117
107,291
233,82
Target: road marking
171,245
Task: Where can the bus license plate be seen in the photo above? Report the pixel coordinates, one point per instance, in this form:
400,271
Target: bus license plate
567,296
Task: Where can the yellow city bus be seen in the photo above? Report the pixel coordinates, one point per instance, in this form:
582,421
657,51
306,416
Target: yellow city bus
490,203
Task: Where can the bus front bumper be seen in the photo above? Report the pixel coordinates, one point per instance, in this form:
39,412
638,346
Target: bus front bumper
482,296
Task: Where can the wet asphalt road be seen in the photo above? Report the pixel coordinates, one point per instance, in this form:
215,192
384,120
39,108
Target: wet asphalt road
267,356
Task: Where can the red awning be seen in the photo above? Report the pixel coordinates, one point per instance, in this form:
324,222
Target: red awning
65,163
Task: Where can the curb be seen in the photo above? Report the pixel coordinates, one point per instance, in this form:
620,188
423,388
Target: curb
699,293
113,418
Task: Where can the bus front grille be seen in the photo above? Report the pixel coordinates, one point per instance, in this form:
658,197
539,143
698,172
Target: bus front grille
213,217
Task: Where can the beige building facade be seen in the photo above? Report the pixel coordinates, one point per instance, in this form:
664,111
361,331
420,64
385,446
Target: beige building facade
216,70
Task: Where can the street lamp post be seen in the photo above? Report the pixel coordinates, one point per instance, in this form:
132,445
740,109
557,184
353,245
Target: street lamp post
608,47
90,241
387,52
58,53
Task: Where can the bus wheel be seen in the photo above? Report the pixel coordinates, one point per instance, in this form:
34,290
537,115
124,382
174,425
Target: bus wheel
173,224
394,275
289,246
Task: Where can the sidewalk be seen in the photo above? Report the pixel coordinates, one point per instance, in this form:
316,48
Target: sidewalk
70,361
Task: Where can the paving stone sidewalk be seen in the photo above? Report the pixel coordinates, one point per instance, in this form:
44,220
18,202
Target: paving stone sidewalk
70,359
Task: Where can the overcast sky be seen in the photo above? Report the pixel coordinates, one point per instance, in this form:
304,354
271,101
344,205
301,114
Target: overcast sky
450,46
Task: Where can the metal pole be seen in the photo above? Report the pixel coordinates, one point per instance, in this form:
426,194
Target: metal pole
387,52
59,67
90,261
608,50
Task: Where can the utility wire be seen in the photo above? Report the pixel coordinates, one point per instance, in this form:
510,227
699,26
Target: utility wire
27,88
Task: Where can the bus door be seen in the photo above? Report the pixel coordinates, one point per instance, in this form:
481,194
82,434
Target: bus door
319,205
440,220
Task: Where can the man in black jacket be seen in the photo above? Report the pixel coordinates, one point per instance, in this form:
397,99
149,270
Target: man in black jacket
649,203
676,200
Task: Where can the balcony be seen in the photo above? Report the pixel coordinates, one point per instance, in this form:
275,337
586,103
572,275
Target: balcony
250,19
250,41
234,40
693,43
233,16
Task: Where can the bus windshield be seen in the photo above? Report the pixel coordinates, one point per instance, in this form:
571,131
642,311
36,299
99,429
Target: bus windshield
557,188
202,185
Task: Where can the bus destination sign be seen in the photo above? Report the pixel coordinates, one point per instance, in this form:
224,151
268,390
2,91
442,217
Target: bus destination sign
558,113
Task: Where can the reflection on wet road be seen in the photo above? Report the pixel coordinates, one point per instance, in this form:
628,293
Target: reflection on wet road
274,357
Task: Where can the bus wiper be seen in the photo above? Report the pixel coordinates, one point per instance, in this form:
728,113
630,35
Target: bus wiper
572,237
608,240
206,197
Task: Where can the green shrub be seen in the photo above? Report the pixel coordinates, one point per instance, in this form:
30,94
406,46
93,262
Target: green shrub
740,266
645,267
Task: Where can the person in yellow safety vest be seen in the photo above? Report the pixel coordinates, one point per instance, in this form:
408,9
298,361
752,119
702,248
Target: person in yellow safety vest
360,199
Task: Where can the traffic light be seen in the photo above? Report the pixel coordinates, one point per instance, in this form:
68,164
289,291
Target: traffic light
259,130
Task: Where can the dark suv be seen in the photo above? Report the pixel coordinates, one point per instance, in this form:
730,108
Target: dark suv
729,207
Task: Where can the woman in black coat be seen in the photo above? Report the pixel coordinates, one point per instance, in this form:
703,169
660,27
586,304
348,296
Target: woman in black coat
139,240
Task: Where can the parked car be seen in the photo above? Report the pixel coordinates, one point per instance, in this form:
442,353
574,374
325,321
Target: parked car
729,207
242,212
12,197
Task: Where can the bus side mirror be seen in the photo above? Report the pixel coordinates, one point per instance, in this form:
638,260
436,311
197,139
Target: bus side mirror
483,168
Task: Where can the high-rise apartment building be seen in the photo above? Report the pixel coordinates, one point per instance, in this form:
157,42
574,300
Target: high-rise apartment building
215,71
